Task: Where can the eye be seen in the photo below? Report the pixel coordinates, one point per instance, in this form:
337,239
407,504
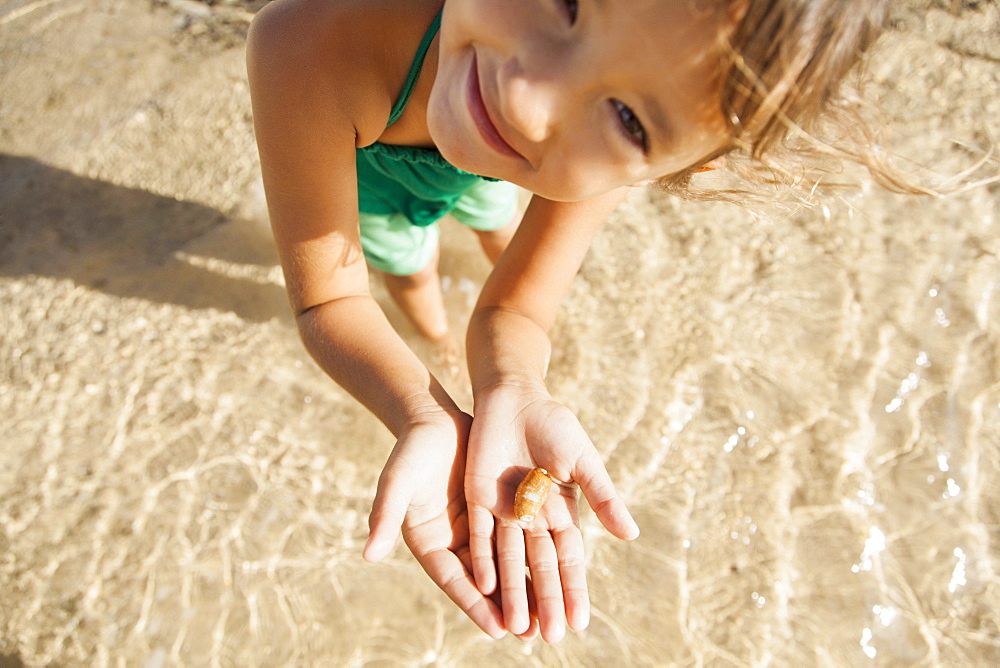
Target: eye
631,126
571,9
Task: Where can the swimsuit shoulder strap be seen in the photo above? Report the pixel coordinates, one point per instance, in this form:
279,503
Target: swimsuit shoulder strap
415,67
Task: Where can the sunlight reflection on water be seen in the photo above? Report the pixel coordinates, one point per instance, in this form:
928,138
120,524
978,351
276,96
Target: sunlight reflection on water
803,412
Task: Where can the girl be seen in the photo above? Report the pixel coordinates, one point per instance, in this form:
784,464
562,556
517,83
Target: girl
405,111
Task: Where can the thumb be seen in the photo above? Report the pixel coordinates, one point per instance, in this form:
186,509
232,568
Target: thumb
392,499
600,492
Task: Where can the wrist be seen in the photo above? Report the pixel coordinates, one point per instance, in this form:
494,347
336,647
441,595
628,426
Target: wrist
428,410
509,395
506,349
369,360
434,431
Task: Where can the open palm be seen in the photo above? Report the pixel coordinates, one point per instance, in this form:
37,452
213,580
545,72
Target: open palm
421,492
516,429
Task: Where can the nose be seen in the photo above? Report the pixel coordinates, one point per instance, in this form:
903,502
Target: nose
532,101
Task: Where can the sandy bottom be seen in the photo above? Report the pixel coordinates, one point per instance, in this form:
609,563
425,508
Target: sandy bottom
802,411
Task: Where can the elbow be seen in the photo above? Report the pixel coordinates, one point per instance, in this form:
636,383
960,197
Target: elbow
308,316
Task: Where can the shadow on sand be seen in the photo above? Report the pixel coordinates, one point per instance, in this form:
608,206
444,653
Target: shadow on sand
133,243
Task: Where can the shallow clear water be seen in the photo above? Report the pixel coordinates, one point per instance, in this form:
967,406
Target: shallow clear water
803,413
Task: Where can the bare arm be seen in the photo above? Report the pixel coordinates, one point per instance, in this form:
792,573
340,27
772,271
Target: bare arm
306,136
518,426
526,287
312,105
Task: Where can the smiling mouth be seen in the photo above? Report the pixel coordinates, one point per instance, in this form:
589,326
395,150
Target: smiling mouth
481,116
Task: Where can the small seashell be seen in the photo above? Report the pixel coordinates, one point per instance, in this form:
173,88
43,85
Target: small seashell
531,494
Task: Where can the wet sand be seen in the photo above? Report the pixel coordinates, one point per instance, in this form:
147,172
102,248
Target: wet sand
802,411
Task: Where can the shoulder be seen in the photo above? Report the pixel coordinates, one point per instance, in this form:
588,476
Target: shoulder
340,56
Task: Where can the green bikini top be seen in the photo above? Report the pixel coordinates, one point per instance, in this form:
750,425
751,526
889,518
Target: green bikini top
415,182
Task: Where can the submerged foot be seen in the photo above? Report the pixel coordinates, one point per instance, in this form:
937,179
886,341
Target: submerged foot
446,356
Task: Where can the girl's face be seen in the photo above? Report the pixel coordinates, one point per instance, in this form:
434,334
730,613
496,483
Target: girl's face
572,99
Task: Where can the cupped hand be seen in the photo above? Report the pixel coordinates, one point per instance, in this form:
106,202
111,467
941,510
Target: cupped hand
515,430
421,491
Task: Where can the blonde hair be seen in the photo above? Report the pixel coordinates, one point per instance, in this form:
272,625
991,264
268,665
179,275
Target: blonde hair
787,94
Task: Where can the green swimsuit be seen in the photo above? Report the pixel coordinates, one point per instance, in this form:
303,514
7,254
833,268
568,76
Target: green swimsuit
404,190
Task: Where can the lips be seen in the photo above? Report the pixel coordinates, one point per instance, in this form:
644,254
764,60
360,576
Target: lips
481,116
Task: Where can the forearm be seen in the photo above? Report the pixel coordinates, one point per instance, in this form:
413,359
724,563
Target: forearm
506,347
354,343
508,334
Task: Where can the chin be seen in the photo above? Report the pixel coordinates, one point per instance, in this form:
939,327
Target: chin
452,146
462,156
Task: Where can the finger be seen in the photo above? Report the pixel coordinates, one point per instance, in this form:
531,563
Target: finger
532,615
596,485
513,590
532,630
481,548
388,511
573,573
446,570
544,564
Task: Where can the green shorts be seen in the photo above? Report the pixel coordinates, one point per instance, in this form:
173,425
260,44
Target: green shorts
396,246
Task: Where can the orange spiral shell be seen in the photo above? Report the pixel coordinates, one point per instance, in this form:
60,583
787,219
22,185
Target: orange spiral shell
531,494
